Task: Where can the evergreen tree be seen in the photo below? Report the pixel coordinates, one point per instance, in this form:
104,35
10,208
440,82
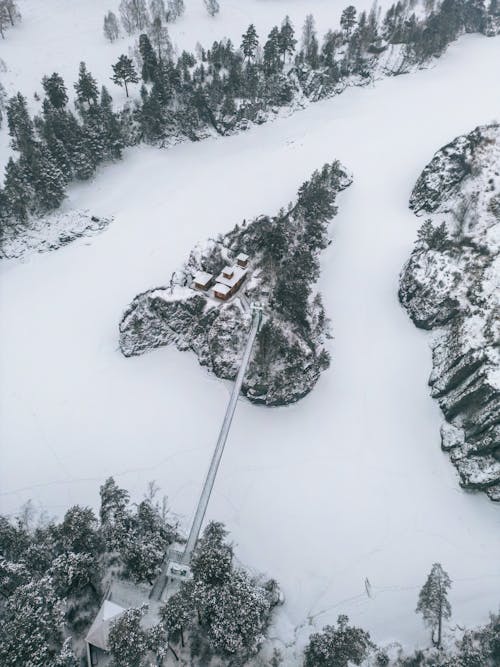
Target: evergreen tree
55,90
124,72
160,40
310,46
175,10
177,613
149,60
287,41
337,646
47,179
111,127
433,602
86,87
128,640
250,42
213,557
271,59
157,10
212,6
21,128
17,191
348,20
111,28
31,632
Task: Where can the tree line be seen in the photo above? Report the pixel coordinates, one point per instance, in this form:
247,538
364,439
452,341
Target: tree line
220,89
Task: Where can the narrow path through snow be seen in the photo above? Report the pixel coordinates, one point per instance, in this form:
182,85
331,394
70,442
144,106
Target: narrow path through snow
349,483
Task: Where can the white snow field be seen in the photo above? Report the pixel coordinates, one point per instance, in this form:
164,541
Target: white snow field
347,484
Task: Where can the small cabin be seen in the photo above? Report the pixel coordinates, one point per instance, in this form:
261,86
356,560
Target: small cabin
221,291
202,280
228,272
242,260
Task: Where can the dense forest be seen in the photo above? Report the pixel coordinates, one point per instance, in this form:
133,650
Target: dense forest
217,90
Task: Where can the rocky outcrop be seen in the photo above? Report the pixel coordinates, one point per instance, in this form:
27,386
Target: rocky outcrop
451,285
289,353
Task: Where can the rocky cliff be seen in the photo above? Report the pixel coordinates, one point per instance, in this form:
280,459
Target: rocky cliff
289,352
451,285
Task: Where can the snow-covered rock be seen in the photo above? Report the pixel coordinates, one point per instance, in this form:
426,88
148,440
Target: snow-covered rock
451,283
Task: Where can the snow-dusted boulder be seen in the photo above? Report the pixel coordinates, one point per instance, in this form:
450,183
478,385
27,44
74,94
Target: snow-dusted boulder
451,284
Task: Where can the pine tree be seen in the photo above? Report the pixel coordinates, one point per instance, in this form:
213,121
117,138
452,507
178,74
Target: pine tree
149,59
111,127
337,646
212,7
310,44
55,90
128,641
160,40
177,613
348,20
287,41
86,87
175,10
433,601
157,10
124,72
271,59
111,28
47,179
20,125
250,42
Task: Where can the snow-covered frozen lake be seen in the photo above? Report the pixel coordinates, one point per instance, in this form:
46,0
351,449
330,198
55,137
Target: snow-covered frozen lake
347,484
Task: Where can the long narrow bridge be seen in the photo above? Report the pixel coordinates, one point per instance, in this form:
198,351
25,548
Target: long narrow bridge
176,564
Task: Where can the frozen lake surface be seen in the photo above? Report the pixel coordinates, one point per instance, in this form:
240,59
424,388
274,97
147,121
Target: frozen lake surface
347,484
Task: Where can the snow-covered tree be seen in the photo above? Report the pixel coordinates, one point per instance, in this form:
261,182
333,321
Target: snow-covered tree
287,41
310,46
177,612
213,557
111,28
433,602
176,9
86,89
124,72
31,632
148,58
20,125
212,6
348,20
157,10
55,90
160,40
134,15
337,646
250,42
128,640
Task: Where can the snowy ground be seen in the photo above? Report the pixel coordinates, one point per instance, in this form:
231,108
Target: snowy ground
347,484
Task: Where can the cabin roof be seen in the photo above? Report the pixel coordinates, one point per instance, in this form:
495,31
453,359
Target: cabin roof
202,278
238,274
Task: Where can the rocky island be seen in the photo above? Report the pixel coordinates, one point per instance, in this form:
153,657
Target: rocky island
270,260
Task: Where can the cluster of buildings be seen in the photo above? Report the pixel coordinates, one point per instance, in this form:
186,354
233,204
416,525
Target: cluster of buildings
227,282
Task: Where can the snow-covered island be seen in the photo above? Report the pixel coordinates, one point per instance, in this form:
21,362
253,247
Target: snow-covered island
272,260
451,285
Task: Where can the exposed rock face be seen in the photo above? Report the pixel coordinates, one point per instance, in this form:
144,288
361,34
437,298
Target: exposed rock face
289,352
451,284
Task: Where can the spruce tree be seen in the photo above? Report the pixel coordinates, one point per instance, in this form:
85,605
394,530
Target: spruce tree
17,191
348,20
250,42
433,602
212,7
55,90
149,59
310,46
271,59
287,41
124,72
111,29
86,87
47,179
21,128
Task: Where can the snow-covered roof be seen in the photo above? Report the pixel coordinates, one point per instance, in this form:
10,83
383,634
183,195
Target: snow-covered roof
221,289
242,257
229,270
238,274
202,278
99,630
